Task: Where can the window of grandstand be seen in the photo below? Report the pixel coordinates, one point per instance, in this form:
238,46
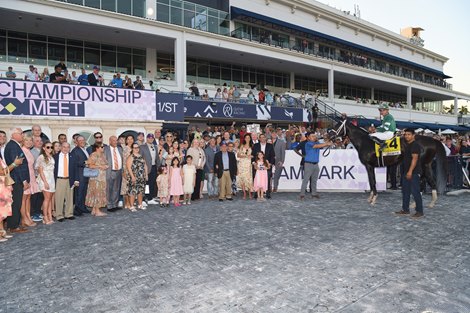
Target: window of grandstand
48,51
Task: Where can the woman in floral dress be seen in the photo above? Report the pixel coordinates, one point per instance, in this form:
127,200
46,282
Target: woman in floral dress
96,194
245,173
137,176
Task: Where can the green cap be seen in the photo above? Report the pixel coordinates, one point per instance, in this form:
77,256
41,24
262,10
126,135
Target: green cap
383,106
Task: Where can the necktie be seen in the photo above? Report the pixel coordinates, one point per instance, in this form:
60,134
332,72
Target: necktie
66,166
115,158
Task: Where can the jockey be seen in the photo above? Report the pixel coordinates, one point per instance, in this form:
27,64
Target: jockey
387,129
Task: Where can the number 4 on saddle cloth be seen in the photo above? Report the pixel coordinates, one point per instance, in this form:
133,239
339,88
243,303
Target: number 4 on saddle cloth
392,147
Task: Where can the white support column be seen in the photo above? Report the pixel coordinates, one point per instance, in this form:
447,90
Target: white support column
456,106
331,85
151,63
180,62
372,94
292,81
408,98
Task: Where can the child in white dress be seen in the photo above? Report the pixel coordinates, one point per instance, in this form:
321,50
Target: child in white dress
189,179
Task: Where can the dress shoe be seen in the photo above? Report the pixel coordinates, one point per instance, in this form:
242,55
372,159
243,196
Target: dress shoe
117,208
70,218
417,215
19,230
268,196
221,200
316,197
275,190
61,220
78,213
402,212
229,199
111,210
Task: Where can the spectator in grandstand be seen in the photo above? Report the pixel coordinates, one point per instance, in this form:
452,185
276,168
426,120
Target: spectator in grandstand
138,84
251,97
31,75
129,84
73,78
194,90
117,81
269,98
94,78
236,94
83,79
261,96
225,94
10,74
62,64
57,76
218,94
45,76
205,95
153,86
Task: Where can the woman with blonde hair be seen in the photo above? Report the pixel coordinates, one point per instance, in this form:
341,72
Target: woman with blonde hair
25,210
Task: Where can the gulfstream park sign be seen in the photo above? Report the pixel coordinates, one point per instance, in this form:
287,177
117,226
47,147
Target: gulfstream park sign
339,170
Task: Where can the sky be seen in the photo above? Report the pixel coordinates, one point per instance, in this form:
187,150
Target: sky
446,25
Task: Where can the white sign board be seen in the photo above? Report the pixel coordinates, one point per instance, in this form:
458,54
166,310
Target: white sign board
339,170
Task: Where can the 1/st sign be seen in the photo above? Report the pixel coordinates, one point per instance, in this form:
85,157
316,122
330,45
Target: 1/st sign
170,107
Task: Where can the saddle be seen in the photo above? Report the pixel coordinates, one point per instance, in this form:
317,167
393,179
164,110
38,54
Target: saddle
389,147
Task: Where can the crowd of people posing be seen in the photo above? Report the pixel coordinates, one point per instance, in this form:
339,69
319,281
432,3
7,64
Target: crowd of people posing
48,182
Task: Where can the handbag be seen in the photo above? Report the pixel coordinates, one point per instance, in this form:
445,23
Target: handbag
90,172
8,180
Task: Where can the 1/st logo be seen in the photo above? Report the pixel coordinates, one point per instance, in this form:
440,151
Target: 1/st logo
168,107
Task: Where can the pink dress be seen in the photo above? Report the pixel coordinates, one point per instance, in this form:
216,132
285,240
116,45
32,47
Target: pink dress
176,188
34,187
261,178
5,195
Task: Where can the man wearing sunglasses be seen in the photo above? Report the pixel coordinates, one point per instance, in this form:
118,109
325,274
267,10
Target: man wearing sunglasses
98,140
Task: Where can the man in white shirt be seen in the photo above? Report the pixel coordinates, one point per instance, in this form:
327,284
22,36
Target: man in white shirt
113,154
31,75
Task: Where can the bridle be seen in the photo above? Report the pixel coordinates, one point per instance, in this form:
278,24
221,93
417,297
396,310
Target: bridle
341,128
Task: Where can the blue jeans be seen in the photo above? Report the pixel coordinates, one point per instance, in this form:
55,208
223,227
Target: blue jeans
212,184
411,187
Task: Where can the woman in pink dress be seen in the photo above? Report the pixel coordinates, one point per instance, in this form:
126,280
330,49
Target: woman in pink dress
25,211
260,184
5,196
176,181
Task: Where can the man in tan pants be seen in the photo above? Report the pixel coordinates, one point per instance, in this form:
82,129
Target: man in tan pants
225,165
64,176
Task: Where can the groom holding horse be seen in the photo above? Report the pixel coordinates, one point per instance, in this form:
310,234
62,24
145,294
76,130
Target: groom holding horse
387,129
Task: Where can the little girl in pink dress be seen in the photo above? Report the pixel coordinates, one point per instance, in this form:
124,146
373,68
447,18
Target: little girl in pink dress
260,184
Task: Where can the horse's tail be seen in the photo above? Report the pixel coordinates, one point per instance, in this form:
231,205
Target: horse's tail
441,168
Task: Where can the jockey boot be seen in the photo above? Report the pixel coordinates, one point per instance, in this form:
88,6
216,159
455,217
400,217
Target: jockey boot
381,143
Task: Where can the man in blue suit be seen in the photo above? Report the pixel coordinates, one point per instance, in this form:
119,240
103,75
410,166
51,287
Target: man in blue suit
64,183
20,175
79,157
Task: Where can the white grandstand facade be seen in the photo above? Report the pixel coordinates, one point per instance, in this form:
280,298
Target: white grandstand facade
285,46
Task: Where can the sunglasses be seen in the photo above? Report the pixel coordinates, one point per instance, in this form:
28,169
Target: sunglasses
48,147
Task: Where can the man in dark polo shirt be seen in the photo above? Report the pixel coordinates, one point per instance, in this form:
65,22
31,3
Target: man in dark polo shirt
57,76
411,175
311,168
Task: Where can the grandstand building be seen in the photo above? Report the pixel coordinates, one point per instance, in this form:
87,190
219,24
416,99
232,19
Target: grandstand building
295,47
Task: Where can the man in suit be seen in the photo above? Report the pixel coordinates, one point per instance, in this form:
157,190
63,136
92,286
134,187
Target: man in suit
79,157
269,155
279,146
20,174
149,151
225,165
113,154
64,183
94,78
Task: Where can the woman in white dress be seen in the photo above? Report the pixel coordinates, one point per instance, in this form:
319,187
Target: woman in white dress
45,167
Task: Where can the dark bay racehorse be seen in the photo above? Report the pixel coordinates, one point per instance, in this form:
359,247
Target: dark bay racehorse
431,148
